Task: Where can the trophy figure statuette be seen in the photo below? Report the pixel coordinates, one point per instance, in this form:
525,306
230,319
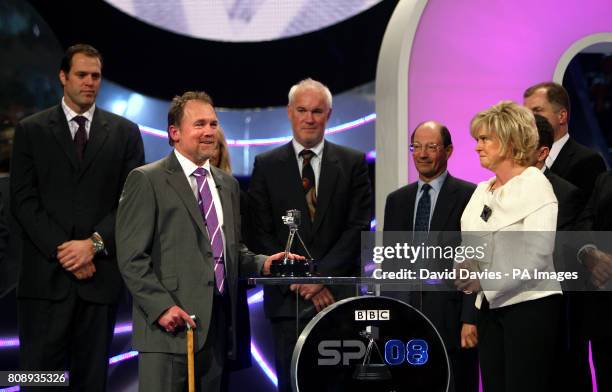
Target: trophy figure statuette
288,267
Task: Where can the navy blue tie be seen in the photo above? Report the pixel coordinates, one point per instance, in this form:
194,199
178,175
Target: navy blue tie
421,222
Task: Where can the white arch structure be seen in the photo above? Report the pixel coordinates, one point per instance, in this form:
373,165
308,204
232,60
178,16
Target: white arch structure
447,60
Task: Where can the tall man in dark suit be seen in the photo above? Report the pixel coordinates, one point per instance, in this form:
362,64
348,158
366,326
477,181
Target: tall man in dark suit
329,184
68,169
573,356
597,216
180,253
435,203
567,158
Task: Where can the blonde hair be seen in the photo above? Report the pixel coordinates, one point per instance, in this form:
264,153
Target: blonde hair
223,161
513,125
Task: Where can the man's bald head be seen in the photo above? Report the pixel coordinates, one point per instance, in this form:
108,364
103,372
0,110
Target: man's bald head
431,146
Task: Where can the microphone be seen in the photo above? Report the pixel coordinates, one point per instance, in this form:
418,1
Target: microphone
486,213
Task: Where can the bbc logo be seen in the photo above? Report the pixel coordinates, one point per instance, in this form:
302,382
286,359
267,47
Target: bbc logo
367,315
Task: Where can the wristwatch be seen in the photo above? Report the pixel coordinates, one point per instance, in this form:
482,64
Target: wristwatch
98,244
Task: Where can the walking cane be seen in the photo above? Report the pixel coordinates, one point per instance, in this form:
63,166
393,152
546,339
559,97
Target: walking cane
190,365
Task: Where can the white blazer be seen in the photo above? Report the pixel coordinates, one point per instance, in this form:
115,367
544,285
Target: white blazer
519,235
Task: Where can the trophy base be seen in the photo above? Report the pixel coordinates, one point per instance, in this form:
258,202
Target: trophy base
292,268
372,372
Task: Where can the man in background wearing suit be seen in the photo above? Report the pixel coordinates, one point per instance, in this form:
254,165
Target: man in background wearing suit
567,158
571,198
435,203
597,216
329,184
180,253
68,169
573,356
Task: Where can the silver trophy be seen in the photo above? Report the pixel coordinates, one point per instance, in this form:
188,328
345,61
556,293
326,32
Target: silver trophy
368,370
289,267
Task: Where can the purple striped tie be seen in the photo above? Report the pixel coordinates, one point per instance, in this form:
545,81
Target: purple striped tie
207,208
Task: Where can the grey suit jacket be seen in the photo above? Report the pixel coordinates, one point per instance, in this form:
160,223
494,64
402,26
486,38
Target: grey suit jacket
164,252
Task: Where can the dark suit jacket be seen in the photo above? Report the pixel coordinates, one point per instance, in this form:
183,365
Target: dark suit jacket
4,240
448,309
165,256
571,200
55,199
597,216
11,254
343,212
579,165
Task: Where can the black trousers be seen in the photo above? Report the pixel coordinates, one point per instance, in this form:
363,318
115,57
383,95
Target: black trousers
285,337
517,345
602,361
71,334
166,372
572,368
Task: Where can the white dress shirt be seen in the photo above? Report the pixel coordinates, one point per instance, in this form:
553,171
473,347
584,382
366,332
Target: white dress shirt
188,168
556,149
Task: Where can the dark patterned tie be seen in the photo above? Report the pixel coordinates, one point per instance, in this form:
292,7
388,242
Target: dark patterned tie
421,222
209,213
421,231
308,182
80,137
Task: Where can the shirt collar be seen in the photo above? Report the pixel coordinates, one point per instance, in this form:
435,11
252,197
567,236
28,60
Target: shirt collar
188,166
556,149
297,147
436,183
70,114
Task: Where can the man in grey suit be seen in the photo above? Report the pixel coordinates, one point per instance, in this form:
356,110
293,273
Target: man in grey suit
180,253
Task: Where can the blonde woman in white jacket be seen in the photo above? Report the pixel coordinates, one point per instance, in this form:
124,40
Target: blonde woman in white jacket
515,214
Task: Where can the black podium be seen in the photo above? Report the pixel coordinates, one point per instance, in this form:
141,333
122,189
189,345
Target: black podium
365,343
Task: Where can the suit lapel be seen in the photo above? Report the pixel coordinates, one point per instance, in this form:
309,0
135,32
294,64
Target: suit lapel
61,131
327,179
409,216
98,133
445,204
176,179
564,159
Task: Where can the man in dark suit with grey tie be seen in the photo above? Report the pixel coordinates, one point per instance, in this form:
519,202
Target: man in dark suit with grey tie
434,204
69,165
567,158
180,253
329,184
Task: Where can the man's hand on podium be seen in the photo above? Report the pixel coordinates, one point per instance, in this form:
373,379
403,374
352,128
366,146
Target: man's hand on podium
265,271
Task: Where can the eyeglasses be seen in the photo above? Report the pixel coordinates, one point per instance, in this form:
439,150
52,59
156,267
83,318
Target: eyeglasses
429,147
